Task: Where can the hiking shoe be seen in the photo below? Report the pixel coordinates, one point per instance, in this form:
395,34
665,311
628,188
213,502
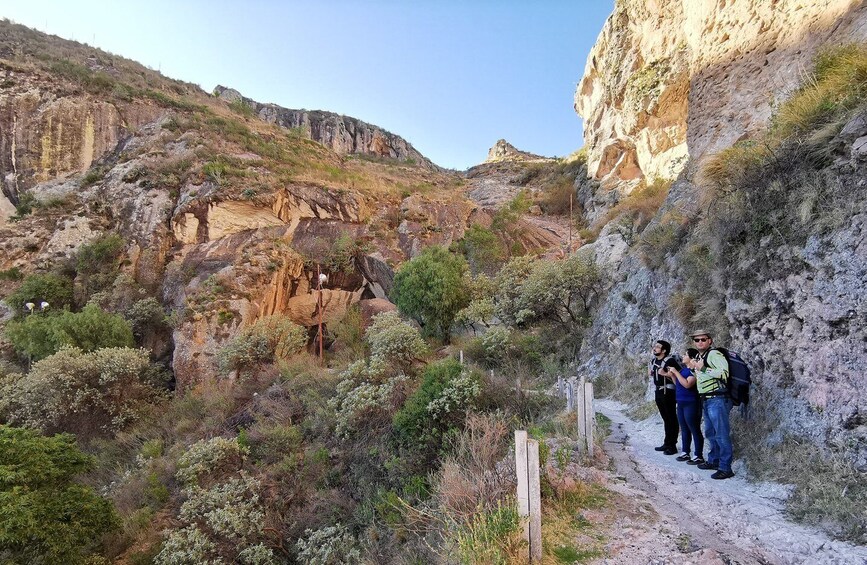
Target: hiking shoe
670,451
660,448
683,457
696,461
719,475
706,466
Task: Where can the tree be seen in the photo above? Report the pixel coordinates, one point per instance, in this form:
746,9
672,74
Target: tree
46,517
431,289
41,335
37,288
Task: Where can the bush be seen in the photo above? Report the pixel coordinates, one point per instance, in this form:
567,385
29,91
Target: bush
100,254
268,340
47,518
394,342
51,288
41,335
332,545
561,291
484,250
209,458
432,289
440,403
145,316
86,393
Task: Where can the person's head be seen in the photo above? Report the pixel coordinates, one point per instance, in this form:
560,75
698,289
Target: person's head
661,348
702,340
692,353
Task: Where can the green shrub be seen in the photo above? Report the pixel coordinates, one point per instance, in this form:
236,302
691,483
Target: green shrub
12,274
441,402
36,288
432,289
99,254
85,393
145,316
268,340
47,517
491,537
484,250
394,342
40,335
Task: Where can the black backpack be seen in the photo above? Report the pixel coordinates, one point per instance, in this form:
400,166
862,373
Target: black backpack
739,377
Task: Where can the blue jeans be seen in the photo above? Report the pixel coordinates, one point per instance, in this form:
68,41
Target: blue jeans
717,431
689,418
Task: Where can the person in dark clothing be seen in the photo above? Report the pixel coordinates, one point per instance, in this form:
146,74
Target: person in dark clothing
688,411
665,393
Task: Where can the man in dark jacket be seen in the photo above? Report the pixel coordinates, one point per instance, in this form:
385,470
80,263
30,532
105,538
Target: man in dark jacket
665,394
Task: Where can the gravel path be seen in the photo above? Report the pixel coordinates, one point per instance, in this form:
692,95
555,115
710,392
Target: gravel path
731,521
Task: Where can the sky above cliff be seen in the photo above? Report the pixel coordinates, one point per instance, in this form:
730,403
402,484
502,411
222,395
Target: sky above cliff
450,76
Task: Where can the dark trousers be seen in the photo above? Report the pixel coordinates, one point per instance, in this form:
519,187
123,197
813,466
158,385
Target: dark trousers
689,418
668,410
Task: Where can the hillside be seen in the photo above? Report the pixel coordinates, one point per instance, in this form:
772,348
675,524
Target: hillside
167,255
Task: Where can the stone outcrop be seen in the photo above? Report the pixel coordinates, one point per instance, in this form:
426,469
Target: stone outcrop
342,134
48,131
670,80
502,150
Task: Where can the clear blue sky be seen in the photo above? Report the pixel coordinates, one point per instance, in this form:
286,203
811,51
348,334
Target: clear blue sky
450,76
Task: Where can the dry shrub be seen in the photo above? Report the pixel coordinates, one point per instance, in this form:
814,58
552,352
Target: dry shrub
639,208
478,475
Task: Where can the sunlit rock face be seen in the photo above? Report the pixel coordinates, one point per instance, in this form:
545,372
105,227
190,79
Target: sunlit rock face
343,134
670,80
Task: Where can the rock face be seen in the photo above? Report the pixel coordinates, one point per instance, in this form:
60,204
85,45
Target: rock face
670,80
502,150
342,134
48,131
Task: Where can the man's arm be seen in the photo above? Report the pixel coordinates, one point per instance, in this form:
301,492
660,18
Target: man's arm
716,366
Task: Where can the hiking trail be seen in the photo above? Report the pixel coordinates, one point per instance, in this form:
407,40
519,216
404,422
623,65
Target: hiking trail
702,520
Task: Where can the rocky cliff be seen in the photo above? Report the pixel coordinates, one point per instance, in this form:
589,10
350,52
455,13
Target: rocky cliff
670,80
342,134
668,89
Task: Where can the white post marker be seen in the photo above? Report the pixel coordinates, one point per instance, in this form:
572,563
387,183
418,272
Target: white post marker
579,414
589,417
462,356
523,487
570,395
535,486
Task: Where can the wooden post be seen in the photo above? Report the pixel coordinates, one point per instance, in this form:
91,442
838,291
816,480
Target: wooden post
579,414
523,487
534,484
589,416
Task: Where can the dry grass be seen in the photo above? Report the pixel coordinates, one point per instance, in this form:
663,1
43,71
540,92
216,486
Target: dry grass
473,478
828,491
837,85
638,208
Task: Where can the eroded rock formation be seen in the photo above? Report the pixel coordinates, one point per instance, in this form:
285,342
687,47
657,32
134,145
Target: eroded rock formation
670,80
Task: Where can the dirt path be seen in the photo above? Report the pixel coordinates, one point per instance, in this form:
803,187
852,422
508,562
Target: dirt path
702,520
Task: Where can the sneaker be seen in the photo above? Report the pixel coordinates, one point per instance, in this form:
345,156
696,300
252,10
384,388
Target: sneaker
719,475
696,461
670,451
660,448
683,457
706,466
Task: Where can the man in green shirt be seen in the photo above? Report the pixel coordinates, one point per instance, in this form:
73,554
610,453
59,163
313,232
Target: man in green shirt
712,374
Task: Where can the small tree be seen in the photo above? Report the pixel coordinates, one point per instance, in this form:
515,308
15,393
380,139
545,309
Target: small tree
431,289
46,516
41,335
51,288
